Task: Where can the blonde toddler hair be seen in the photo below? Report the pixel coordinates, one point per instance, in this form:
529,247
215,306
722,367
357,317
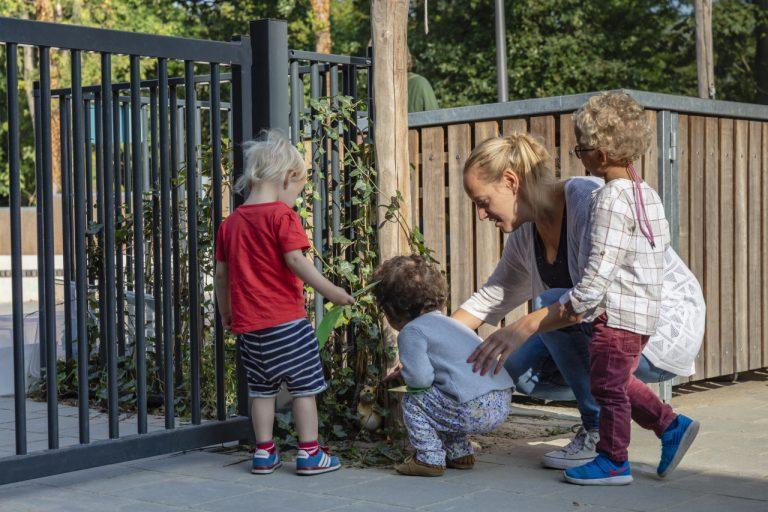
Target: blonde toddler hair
523,155
268,159
616,123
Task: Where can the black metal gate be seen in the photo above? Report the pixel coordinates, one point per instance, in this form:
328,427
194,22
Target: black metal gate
144,165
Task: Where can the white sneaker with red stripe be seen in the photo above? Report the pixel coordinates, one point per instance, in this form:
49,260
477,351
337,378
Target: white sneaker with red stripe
320,462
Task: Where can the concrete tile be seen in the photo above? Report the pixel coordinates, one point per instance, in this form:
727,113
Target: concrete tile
724,485
183,491
105,480
713,503
286,478
198,463
637,496
276,500
494,500
404,491
535,481
364,506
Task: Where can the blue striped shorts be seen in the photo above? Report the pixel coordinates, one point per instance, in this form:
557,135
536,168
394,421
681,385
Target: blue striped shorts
285,353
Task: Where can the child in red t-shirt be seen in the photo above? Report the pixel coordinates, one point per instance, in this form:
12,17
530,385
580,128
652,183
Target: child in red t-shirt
260,274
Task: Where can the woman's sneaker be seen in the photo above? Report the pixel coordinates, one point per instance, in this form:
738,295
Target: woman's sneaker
675,441
579,451
265,462
320,462
601,471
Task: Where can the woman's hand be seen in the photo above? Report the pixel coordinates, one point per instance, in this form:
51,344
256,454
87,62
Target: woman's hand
494,351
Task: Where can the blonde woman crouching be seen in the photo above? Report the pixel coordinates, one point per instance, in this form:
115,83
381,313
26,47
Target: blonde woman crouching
511,181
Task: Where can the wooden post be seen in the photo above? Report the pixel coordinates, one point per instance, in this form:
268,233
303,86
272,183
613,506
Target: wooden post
389,20
704,59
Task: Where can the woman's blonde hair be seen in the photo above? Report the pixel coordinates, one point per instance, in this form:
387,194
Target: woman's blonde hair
615,123
523,155
268,159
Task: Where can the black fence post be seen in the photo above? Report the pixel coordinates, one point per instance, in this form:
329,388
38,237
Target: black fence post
269,75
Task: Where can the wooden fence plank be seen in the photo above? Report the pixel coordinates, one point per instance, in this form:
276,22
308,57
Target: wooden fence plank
651,157
740,249
696,209
569,164
726,248
413,159
460,211
433,190
711,243
513,125
683,151
764,237
754,244
508,126
487,239
543,127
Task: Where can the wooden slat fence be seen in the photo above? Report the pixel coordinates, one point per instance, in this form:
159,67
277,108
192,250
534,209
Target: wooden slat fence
721,166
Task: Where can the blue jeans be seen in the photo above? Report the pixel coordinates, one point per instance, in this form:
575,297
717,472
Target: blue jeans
555,365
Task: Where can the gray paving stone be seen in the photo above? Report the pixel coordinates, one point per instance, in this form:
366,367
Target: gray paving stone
404,491
724,485
183,491
365,506
286,478
637,496
276,500
495,500
712,503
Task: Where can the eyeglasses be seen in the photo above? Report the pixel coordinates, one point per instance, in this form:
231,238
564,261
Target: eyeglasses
578,150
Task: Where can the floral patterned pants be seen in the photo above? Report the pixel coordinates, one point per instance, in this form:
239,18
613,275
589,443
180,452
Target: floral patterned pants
438,425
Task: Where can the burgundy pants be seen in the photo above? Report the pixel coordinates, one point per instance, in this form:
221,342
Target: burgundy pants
613,357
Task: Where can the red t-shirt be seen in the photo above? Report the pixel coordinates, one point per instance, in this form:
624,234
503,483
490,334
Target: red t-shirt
264,290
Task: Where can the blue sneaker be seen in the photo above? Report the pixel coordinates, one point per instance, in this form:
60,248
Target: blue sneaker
601,471
320,462
675,441
264,462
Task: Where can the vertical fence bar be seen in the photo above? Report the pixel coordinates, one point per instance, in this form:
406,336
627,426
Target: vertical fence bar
127,180
66,221
88,161
81,283
39,225
118,214
221,412
165,219
109,242
50,283
335,175
14,171
175,233
242,130
138,245
317,182
296,103
101,219
194,291
157,317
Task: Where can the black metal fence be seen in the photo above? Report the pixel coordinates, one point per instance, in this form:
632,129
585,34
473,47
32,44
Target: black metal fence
144,168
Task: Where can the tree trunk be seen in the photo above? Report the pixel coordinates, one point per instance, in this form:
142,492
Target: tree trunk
322,12
704,59
761,53
389,19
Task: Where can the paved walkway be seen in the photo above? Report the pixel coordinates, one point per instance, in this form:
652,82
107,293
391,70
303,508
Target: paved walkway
726,470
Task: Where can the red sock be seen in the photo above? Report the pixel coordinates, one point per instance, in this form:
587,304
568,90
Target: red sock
311,447
266,445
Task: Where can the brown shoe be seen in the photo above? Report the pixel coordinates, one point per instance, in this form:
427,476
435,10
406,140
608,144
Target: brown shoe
413,467
465,462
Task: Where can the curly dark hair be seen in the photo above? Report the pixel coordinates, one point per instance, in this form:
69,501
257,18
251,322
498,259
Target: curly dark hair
408,287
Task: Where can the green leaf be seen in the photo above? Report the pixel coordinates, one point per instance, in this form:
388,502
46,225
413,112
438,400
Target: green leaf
327,324
364,289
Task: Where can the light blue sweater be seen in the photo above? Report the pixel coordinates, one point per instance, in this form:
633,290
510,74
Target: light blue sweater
434,349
